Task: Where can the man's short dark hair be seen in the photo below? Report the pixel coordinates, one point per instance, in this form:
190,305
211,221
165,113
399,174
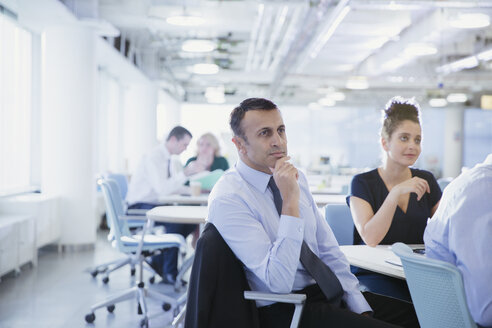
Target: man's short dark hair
238,113
178,132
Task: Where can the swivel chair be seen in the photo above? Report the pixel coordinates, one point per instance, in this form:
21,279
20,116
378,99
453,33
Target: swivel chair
138,247
340,220
136,219
437,290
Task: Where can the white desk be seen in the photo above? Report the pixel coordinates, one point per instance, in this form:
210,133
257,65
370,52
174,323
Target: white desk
374,259
179,214
323,199
185,199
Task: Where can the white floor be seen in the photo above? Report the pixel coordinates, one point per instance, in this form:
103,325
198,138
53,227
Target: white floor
59,292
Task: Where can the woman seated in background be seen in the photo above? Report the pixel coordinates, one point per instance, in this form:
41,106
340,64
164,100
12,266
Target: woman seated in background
208,155
393,202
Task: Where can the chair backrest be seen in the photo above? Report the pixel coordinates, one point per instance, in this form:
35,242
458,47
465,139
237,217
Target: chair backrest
114,209
339,218
217,284
121,181
437,290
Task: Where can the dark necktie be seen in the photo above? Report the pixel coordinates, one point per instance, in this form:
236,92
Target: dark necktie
326,279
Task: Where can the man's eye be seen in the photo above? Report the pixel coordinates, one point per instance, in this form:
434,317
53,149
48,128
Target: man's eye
418,141
403,138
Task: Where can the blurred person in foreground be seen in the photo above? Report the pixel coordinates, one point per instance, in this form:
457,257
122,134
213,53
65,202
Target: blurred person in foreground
460,232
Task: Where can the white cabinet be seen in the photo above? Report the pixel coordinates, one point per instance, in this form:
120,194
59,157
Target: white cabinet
44,210
17,245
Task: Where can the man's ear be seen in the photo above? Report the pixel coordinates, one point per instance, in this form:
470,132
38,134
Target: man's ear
239,143
384,144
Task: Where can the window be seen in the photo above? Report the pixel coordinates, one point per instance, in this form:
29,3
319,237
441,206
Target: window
15,106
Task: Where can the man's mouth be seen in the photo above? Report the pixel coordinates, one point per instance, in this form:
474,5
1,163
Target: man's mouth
278,154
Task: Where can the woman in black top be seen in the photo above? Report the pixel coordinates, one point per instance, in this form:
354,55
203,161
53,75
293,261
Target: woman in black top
393,202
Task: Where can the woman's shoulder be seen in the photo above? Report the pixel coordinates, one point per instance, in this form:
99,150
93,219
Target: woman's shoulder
424,174
370,175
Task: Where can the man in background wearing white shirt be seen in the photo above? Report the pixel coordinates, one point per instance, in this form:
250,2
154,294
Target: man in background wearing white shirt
460,232
157,176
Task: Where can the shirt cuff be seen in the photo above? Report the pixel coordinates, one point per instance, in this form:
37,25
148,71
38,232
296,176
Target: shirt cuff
291,227
357,303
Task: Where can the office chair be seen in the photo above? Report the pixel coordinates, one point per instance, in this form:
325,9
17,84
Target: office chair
339,218
119,207
218,293
437,290
138,247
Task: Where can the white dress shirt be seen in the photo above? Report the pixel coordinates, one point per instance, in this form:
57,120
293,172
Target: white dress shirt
150,180
460,232
241,207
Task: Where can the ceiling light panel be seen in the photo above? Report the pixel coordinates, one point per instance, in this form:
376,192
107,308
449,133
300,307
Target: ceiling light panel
470,20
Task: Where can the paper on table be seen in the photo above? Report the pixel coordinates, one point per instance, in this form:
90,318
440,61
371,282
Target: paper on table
394,260
207,179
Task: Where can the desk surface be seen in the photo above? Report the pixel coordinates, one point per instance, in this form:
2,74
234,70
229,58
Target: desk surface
374,259
185,199
179,214
323,199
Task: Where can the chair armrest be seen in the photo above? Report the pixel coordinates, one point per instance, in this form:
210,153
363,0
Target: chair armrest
283,298
136,211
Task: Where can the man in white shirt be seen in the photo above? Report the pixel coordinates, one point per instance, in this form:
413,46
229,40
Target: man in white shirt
157,176
264,211
460,232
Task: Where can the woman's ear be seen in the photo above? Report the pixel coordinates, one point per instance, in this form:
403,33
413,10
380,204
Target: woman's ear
384,143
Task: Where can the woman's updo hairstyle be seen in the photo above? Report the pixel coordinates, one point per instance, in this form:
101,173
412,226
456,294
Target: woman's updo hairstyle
397,110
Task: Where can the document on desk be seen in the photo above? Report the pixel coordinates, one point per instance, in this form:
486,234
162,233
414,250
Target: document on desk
394,261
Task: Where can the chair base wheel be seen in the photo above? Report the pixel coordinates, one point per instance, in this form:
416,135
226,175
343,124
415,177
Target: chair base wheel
94,273
152,279
132,271
89,318
166,307
110,308
105,280
144,323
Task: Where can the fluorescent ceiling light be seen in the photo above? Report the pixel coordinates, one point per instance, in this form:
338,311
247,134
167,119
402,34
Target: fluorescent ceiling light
420,49
375,43
471,20
438,102
327,102
457,98
198,46
215,95
185,20
357,83
337,96
205,69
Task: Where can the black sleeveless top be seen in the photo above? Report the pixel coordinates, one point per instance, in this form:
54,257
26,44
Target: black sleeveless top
406,227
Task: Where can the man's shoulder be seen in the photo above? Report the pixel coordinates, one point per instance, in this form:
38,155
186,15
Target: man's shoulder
229,184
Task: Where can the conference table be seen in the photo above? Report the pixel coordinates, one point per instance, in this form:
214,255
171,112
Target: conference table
378,259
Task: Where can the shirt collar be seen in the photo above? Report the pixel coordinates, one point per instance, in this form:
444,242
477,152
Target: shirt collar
256,178
164,149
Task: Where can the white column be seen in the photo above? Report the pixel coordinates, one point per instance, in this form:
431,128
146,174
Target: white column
453,142
140,103
68,112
